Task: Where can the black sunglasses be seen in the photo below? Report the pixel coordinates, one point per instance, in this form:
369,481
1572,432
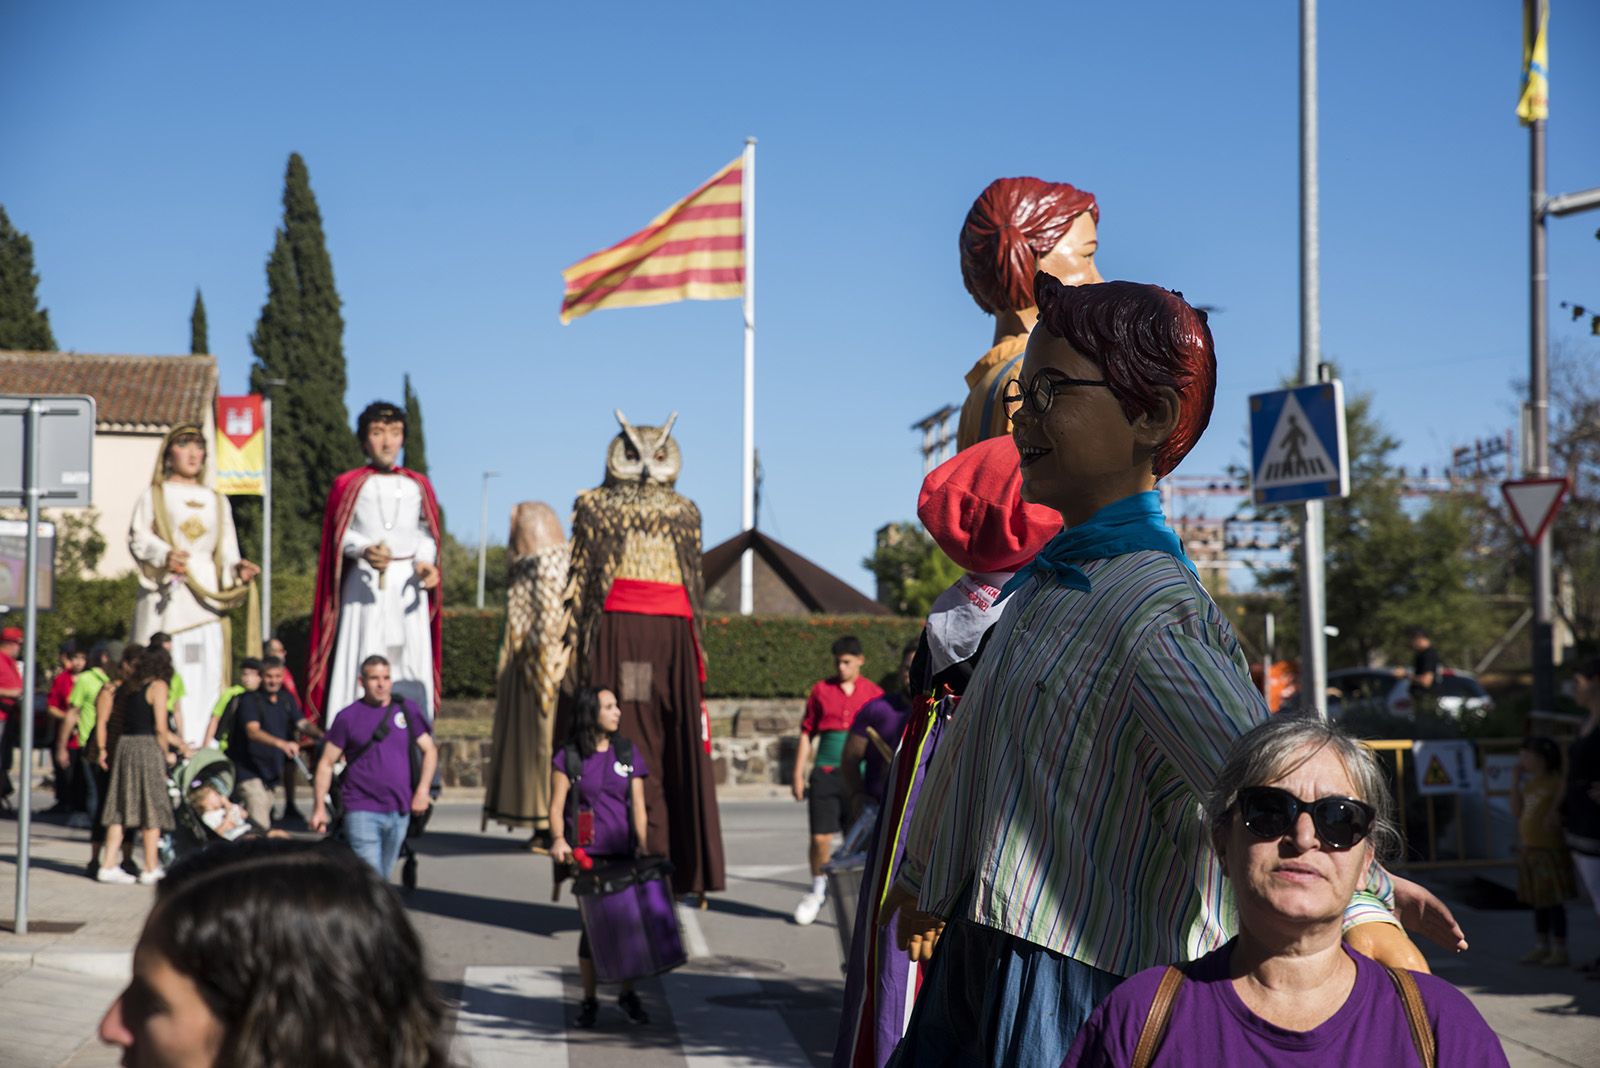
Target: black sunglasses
1269,812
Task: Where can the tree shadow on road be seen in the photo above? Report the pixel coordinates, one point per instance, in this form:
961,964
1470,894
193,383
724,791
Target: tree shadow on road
528,917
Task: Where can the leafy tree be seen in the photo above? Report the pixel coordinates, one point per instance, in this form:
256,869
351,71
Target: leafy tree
1388,570
1575,451
23,324
910,568
299,339
458,564
198,341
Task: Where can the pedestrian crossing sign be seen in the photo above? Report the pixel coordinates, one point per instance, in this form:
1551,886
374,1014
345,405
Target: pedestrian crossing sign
1297,444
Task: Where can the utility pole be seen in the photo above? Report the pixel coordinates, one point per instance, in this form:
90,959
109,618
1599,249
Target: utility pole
1313,605
483,534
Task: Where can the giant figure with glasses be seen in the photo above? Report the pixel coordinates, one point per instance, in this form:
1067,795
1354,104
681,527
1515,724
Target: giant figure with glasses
1058,835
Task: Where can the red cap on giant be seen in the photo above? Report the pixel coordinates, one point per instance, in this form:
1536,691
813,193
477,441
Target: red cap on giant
972,506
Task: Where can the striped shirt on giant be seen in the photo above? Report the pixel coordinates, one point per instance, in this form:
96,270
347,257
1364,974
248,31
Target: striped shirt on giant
1066,795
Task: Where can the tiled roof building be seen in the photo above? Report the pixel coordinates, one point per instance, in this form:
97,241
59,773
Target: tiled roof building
137,400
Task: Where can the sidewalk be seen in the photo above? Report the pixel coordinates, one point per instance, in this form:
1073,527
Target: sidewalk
56,981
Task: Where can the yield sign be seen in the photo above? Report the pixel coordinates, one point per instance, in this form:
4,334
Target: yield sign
1534,502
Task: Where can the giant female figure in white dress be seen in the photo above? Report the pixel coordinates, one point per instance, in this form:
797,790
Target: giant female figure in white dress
190,574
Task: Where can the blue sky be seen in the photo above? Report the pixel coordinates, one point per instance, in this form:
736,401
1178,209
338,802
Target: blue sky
464,154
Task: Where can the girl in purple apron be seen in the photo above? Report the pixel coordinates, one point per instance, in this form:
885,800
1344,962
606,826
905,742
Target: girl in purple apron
604,821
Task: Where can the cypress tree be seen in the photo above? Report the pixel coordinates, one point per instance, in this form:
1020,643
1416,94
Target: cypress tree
416,444
199,343
23,324
299,338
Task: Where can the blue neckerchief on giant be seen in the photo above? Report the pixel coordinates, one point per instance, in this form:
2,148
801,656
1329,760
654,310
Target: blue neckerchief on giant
1133,524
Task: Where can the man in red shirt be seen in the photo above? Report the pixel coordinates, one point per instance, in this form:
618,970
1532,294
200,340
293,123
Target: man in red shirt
64,720
10,708
830,710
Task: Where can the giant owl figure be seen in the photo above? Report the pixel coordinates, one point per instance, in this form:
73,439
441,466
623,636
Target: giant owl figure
635,595
533,658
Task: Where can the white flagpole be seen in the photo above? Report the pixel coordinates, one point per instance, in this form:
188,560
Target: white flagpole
747,559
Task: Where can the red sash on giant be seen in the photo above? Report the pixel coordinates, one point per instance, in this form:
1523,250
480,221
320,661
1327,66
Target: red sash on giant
330,578
663,599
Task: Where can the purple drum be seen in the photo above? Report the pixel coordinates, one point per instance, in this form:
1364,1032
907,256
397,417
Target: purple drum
631,918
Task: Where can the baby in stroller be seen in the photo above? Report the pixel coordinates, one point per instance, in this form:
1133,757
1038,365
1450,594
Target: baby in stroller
201,789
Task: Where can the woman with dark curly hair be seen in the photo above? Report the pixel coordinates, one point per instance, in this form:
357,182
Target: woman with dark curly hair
277,954
136,795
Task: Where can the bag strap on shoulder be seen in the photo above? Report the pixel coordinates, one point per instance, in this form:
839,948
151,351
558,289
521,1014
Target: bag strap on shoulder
1422,1036
1155,1023
381,732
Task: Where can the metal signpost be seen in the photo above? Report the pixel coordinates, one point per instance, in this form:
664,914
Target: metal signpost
46,455
1298,454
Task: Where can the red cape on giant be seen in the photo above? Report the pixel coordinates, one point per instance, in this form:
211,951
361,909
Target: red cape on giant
330,577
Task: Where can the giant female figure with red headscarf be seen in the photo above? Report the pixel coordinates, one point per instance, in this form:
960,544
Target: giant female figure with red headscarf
1016,227
377,576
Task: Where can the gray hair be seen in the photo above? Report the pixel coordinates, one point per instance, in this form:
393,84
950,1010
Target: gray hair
1278,746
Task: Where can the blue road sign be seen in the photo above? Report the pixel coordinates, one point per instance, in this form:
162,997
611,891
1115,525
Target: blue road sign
1297,444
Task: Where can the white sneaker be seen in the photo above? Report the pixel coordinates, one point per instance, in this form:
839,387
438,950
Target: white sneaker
151,877
114,875
805,913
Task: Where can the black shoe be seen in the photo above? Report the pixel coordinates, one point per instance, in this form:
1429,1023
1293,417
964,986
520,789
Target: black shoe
588,1009
628,1002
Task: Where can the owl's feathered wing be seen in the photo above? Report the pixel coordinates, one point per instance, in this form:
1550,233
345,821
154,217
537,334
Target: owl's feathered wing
537,622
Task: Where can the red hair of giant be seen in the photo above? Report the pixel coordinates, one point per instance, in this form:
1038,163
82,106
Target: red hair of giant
1010,226
1144,338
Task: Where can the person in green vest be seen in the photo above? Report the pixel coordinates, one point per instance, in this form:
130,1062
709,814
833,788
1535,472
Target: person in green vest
223,713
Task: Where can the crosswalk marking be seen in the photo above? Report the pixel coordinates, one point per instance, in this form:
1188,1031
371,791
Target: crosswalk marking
511,1017
516,1017
715,1034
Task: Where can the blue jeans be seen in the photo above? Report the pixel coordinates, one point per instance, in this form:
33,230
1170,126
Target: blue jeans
991,998
377,837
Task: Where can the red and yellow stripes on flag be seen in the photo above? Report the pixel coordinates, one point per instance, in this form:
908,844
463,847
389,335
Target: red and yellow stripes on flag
692,251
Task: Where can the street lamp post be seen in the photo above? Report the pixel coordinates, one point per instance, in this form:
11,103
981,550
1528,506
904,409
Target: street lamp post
483,534
267,386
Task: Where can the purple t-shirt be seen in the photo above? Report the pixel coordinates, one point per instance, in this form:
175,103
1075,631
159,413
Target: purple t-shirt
1211,1025
887,715
603,789
380,778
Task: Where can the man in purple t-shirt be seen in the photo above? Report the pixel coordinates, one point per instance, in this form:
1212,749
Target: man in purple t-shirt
874,735
377,792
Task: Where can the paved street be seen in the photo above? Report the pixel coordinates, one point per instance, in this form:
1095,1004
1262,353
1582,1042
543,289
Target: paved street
758,991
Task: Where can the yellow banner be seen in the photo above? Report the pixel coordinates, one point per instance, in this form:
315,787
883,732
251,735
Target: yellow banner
1535,101
241,447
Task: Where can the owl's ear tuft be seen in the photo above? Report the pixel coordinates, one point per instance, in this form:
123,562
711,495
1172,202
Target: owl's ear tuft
666,429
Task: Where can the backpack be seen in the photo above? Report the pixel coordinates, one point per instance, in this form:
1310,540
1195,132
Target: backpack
419,821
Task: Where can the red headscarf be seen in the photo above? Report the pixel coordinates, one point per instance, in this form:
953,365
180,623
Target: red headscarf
972,506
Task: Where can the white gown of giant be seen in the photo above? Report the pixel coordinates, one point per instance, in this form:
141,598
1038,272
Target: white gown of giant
199,521
384,614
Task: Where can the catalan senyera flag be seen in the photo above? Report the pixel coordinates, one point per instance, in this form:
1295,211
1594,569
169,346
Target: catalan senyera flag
692,251
241,447
1535,101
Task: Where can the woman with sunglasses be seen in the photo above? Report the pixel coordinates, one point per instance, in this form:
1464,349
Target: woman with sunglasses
1298,814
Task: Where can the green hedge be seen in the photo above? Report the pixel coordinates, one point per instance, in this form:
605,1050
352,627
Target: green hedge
747,656
781,656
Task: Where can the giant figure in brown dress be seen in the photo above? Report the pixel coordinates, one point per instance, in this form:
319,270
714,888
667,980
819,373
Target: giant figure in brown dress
636,595
533,659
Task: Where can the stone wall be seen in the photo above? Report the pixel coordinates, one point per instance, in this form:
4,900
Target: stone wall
753,741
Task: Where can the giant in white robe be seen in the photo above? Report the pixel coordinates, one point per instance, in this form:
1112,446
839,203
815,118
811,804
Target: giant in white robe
388,619
201,523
